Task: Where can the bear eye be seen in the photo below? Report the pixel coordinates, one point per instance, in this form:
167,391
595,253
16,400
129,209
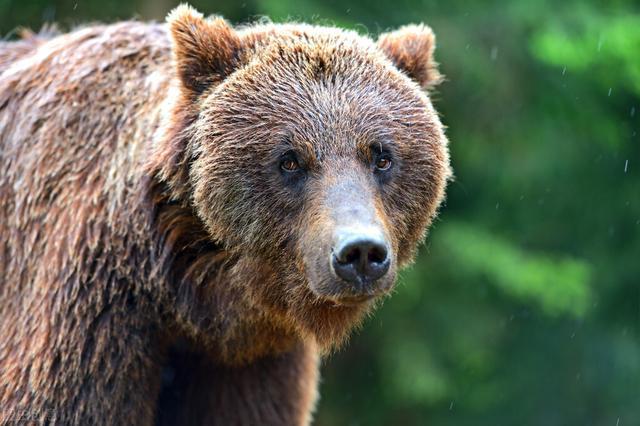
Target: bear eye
289,165
289,162
292,169
383,163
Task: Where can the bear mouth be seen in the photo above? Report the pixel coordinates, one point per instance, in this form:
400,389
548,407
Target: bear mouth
355,300
341,294
337,292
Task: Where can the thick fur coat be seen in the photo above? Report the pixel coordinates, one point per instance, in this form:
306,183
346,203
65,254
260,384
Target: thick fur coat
156,263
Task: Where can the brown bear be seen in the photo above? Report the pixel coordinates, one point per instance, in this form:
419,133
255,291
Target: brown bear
192,214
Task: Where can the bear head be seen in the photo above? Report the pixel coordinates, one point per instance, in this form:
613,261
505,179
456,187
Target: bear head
311,154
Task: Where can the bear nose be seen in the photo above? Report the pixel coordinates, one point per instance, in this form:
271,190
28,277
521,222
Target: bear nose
361,258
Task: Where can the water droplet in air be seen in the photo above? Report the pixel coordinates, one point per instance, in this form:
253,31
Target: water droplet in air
494,53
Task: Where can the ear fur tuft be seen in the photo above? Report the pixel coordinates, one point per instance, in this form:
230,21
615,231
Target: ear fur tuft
205,50
411,49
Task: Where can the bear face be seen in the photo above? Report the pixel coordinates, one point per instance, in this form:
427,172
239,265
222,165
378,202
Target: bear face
311,153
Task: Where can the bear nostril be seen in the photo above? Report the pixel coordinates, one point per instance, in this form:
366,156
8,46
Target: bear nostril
352,256
377,254
361,259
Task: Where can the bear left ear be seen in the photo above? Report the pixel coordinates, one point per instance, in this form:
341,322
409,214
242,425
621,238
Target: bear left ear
205,50
411,49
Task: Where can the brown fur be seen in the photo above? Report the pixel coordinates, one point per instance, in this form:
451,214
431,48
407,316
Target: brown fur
153,265
11,51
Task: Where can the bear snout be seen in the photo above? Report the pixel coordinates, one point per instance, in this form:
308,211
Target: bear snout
348,250
361,256
360,264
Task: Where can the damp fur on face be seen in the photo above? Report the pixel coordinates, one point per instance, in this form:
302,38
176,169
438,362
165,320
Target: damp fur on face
187,186
335,100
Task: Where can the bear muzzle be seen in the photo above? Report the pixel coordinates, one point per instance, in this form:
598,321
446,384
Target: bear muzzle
348,252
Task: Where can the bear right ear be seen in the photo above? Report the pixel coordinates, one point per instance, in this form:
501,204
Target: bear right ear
205,50
411,48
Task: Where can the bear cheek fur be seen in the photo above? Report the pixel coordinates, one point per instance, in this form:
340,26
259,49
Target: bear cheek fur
412,197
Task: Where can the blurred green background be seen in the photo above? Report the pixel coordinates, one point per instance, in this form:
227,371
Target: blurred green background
523,307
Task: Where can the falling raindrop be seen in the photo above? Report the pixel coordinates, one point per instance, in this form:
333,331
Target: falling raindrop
494,53
564,70
599,43
609,94
633,111
626,165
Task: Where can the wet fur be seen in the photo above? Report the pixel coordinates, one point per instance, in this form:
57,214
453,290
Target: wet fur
129,287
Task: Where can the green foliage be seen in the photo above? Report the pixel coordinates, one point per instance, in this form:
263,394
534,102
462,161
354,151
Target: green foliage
556,284
524,305
594,45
